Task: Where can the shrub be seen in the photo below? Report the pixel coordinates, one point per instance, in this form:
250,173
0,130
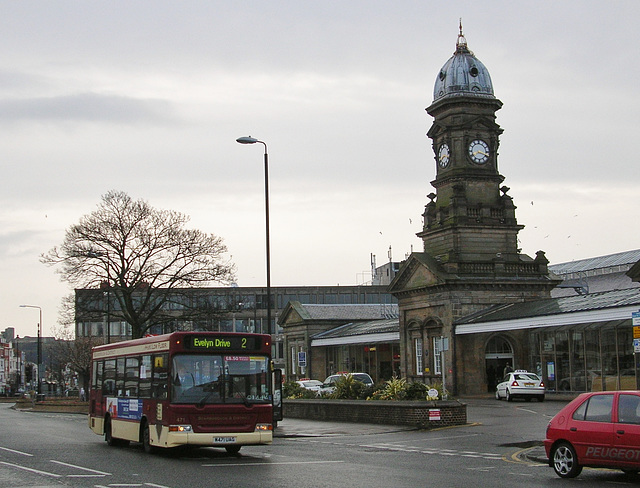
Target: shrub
393,389
368,391
417,391
293,390
348,388
290,388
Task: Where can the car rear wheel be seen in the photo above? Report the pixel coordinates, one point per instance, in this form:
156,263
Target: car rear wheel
541,398
497,395
509,397
565,461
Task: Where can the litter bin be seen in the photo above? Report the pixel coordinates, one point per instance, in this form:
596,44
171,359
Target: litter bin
40,397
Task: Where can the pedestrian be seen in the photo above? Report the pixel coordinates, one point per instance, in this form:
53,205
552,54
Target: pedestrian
82,395
507,369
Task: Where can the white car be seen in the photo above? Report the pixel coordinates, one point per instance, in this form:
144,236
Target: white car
522,384
313,385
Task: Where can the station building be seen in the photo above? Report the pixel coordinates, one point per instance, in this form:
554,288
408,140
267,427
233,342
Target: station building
471,301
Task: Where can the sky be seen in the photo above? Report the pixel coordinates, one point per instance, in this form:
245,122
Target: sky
149,97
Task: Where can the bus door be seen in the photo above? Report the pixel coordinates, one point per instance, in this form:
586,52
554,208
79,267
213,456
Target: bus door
277,395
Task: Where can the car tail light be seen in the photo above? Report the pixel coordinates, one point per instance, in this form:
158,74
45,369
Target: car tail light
542,384
515,383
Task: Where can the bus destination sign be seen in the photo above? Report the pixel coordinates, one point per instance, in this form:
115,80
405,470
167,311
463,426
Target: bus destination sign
223,343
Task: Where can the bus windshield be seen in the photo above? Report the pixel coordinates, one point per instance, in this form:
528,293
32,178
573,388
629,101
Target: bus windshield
210,379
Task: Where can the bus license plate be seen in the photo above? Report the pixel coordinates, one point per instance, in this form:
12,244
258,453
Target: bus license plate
224,440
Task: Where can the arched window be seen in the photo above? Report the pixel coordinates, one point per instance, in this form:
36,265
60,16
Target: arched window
498,347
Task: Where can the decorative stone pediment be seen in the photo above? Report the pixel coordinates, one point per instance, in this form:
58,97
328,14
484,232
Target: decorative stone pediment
420,270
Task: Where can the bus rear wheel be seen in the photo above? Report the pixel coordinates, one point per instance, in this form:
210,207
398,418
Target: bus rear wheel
233,450
108,436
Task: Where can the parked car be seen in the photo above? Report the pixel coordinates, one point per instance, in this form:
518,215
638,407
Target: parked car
313,385
597,429
580,382
329,384
522,384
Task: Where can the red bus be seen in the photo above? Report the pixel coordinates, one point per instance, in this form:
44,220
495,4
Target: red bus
185,388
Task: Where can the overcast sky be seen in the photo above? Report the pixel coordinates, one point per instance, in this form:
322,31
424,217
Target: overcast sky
149,98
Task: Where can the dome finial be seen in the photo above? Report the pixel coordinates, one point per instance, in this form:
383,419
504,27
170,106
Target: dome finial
461,44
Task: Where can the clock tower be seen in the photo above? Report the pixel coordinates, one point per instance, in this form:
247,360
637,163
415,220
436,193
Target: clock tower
471,259
470,218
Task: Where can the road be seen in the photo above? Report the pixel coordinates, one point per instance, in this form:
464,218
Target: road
47,450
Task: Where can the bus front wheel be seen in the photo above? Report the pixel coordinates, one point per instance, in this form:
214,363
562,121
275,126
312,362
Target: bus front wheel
233,450
146,441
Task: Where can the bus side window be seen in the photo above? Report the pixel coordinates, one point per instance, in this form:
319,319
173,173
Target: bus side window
145,377
109,380
160,379
131,377
97,379
120,362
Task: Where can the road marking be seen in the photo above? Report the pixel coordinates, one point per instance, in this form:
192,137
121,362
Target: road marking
101,473
115,485
440,452
484,469
271,464
124,485
16,452
85,476
31,470
527,410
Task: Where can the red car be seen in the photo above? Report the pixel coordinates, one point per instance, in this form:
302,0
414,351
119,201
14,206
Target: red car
598,429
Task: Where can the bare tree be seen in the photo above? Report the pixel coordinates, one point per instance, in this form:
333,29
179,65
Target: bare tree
76,355
140,255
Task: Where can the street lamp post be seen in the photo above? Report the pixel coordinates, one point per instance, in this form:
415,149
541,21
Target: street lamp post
38,387
108,294
251,140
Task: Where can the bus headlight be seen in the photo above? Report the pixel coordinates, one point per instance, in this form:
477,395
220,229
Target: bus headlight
180,428
263,427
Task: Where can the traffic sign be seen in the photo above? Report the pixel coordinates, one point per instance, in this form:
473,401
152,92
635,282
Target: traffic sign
302,359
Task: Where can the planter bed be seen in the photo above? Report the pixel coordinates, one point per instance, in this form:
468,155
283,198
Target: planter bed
424,415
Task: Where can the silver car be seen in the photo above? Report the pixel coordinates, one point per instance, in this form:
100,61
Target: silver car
313,385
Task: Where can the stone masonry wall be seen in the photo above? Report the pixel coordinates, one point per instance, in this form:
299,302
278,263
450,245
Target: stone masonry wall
425,415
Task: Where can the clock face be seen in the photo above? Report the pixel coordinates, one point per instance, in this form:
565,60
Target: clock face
443,156
479,151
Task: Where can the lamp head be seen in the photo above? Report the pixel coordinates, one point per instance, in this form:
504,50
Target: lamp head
247,140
